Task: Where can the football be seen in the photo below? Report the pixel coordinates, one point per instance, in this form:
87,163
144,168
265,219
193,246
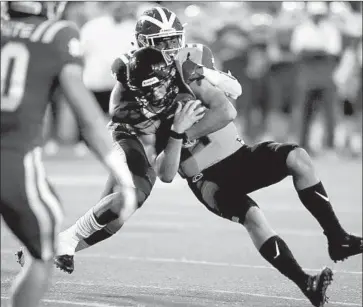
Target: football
184,98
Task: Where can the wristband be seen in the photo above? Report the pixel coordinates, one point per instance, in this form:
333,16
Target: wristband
177,136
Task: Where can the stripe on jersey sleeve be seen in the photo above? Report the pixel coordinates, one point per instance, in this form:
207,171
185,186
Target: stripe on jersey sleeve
39,30
49,35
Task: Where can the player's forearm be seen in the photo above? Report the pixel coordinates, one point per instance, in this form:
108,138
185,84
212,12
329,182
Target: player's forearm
168,160
216,118
225,82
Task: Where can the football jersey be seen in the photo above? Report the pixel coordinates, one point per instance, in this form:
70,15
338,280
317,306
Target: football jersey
33,52
136,119
132,116
210,149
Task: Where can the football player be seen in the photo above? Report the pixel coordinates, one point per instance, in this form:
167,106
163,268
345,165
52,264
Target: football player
159,28
222,170
38,53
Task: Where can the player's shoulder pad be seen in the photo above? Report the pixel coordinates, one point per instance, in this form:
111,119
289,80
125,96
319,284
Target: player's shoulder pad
64,36
60,30
191,58
120,68
203,54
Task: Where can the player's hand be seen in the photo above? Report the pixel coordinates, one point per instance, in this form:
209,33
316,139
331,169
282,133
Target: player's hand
185,116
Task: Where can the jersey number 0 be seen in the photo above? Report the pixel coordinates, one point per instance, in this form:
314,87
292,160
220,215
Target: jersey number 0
14,68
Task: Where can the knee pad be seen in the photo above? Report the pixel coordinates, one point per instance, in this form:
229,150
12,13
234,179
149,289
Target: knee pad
235,206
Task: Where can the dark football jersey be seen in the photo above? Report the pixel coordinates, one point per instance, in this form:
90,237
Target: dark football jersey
136,119
33,52
132,117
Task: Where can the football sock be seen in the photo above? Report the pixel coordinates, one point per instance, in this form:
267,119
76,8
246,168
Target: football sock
278,254
93,239
315,199
83,228
87,225
81,245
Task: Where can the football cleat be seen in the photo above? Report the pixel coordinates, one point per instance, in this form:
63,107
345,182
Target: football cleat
65,263
348,245
316,286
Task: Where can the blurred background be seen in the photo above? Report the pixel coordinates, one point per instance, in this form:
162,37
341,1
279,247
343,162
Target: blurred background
299,64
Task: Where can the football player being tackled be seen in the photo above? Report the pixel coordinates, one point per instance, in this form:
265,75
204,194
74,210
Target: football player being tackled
222,170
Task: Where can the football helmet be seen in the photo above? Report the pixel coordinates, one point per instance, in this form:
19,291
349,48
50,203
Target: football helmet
160,28
49,9
152,80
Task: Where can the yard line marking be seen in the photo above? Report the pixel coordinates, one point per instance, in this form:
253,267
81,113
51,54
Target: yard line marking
216,291
198,291
88,304
199,262
187,261
84,181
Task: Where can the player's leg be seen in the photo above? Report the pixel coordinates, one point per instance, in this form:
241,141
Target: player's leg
109,196
314,197
32,211
228,202
106,218
271,162
105,232
275,250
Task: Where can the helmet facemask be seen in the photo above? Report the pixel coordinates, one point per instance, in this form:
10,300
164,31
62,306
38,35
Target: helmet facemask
168,42
56,9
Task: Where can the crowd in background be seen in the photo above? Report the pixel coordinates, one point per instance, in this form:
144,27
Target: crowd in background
299,64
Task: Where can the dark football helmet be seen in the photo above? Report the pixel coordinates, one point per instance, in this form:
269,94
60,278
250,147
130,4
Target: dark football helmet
162,29
152,80
49,9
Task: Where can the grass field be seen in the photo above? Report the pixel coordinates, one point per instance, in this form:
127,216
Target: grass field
173,252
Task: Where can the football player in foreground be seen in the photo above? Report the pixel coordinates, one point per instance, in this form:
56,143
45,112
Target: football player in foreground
220,169
158,27
38,53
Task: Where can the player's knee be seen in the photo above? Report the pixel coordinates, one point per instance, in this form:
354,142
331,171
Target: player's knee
118,222
253,219
299,162
257,226
141,194
121,204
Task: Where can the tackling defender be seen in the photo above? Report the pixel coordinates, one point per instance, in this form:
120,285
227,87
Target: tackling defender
161,28
38,53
